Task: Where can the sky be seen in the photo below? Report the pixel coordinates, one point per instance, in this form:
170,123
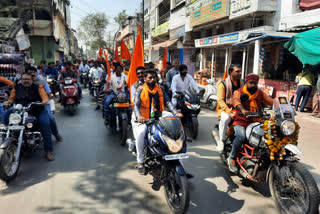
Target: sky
80,8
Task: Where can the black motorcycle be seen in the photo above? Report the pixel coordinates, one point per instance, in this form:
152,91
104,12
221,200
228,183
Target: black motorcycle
84,79
118,117
189,104
54,86
95,87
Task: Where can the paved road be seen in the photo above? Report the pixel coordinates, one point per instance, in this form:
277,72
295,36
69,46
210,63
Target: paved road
93,174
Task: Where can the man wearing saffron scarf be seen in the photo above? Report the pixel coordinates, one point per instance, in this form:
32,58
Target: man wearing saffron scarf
253,104
150,101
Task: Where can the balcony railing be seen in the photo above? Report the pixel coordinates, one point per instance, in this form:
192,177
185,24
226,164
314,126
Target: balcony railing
164,18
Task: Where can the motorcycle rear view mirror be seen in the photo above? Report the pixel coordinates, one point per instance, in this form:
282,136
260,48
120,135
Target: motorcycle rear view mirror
244,97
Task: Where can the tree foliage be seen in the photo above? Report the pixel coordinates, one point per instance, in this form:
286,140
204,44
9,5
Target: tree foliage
92,30
121,18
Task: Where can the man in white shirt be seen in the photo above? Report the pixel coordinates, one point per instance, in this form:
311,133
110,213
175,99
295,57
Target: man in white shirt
96,71
182,83
117,84
140,82
84,67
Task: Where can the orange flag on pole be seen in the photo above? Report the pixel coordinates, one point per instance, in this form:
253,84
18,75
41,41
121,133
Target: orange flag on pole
225,75
116,55
137,60
100,53
125,53
108,65
165,58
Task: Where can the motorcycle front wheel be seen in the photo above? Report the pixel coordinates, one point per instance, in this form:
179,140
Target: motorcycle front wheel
293,189
123,132
177,192
8,166
194,127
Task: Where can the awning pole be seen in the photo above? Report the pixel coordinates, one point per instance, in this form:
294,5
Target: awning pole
226,60
243,62
256,57
201,59
212,59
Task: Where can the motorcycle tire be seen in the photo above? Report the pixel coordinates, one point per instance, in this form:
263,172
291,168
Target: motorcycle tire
310,189
7,153
194,127
175,181
123,132
212,104
85,85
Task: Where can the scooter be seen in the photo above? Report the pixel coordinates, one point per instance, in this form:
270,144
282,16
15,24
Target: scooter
69,94
210,95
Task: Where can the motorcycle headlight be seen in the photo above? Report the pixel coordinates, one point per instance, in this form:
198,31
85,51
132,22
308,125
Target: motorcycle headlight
122,98
14,119
49,80
68,81
174,146
288,127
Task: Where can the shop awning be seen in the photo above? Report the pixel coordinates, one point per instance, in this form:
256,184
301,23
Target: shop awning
163,44
277,35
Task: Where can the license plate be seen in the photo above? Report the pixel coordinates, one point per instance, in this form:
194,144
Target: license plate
176,156
68,86
15,127
118,105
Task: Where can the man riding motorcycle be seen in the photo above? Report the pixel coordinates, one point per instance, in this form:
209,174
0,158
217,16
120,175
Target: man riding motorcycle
118,84
51,70
37,80
256,98
69,73
25,93
225,91
182,83
149,101
96,71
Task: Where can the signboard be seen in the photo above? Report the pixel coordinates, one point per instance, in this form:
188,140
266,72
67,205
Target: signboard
243,7
161,29
197,5
217,40
216,10
178,32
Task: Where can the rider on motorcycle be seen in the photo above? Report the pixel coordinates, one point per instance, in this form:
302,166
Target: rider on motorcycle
118,84
182,83
253,104
69,73
84,67
37,80
51,70
96,71
26,92
225,91
150,100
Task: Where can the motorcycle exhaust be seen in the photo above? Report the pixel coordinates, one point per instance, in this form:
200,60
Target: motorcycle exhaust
215,136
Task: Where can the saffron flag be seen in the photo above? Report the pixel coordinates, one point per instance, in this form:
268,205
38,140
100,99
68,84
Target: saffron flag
100,53
108,65
116,55
137,60
125,53
165,58
225,75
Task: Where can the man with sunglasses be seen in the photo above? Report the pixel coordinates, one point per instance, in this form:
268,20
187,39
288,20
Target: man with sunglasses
140,82
253,104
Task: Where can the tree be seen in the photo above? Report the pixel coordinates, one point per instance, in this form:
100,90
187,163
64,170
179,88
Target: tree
121,19
92,30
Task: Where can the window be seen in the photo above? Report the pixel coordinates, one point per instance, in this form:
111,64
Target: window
238,26
164,11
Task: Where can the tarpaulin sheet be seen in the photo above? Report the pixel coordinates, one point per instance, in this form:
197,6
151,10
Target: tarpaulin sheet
306,46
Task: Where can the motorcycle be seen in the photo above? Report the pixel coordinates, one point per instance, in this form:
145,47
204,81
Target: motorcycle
53,83
84,79
118,119
165,146
95,87
189,104
22,136
210,95
69,94
269,155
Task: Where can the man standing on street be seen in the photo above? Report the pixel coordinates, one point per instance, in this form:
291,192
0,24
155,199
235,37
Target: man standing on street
225,91
172,72
316,99
305,81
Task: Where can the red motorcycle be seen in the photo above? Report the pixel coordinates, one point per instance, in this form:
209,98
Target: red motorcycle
69,94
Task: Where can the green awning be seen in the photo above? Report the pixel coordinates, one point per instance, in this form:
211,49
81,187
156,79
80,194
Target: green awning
306,46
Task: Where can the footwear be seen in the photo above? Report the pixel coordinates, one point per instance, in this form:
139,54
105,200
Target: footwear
220,146
232,165
189,176
49,156
141,169
58,137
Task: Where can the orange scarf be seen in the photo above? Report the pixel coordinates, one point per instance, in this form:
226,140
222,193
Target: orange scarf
145,100
252,99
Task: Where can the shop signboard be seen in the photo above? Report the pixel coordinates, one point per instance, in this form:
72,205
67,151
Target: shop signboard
217,40
178,32
216,10
161,29
195,5
244,7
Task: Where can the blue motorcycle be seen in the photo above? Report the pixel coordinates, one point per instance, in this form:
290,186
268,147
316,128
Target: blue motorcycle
165,145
